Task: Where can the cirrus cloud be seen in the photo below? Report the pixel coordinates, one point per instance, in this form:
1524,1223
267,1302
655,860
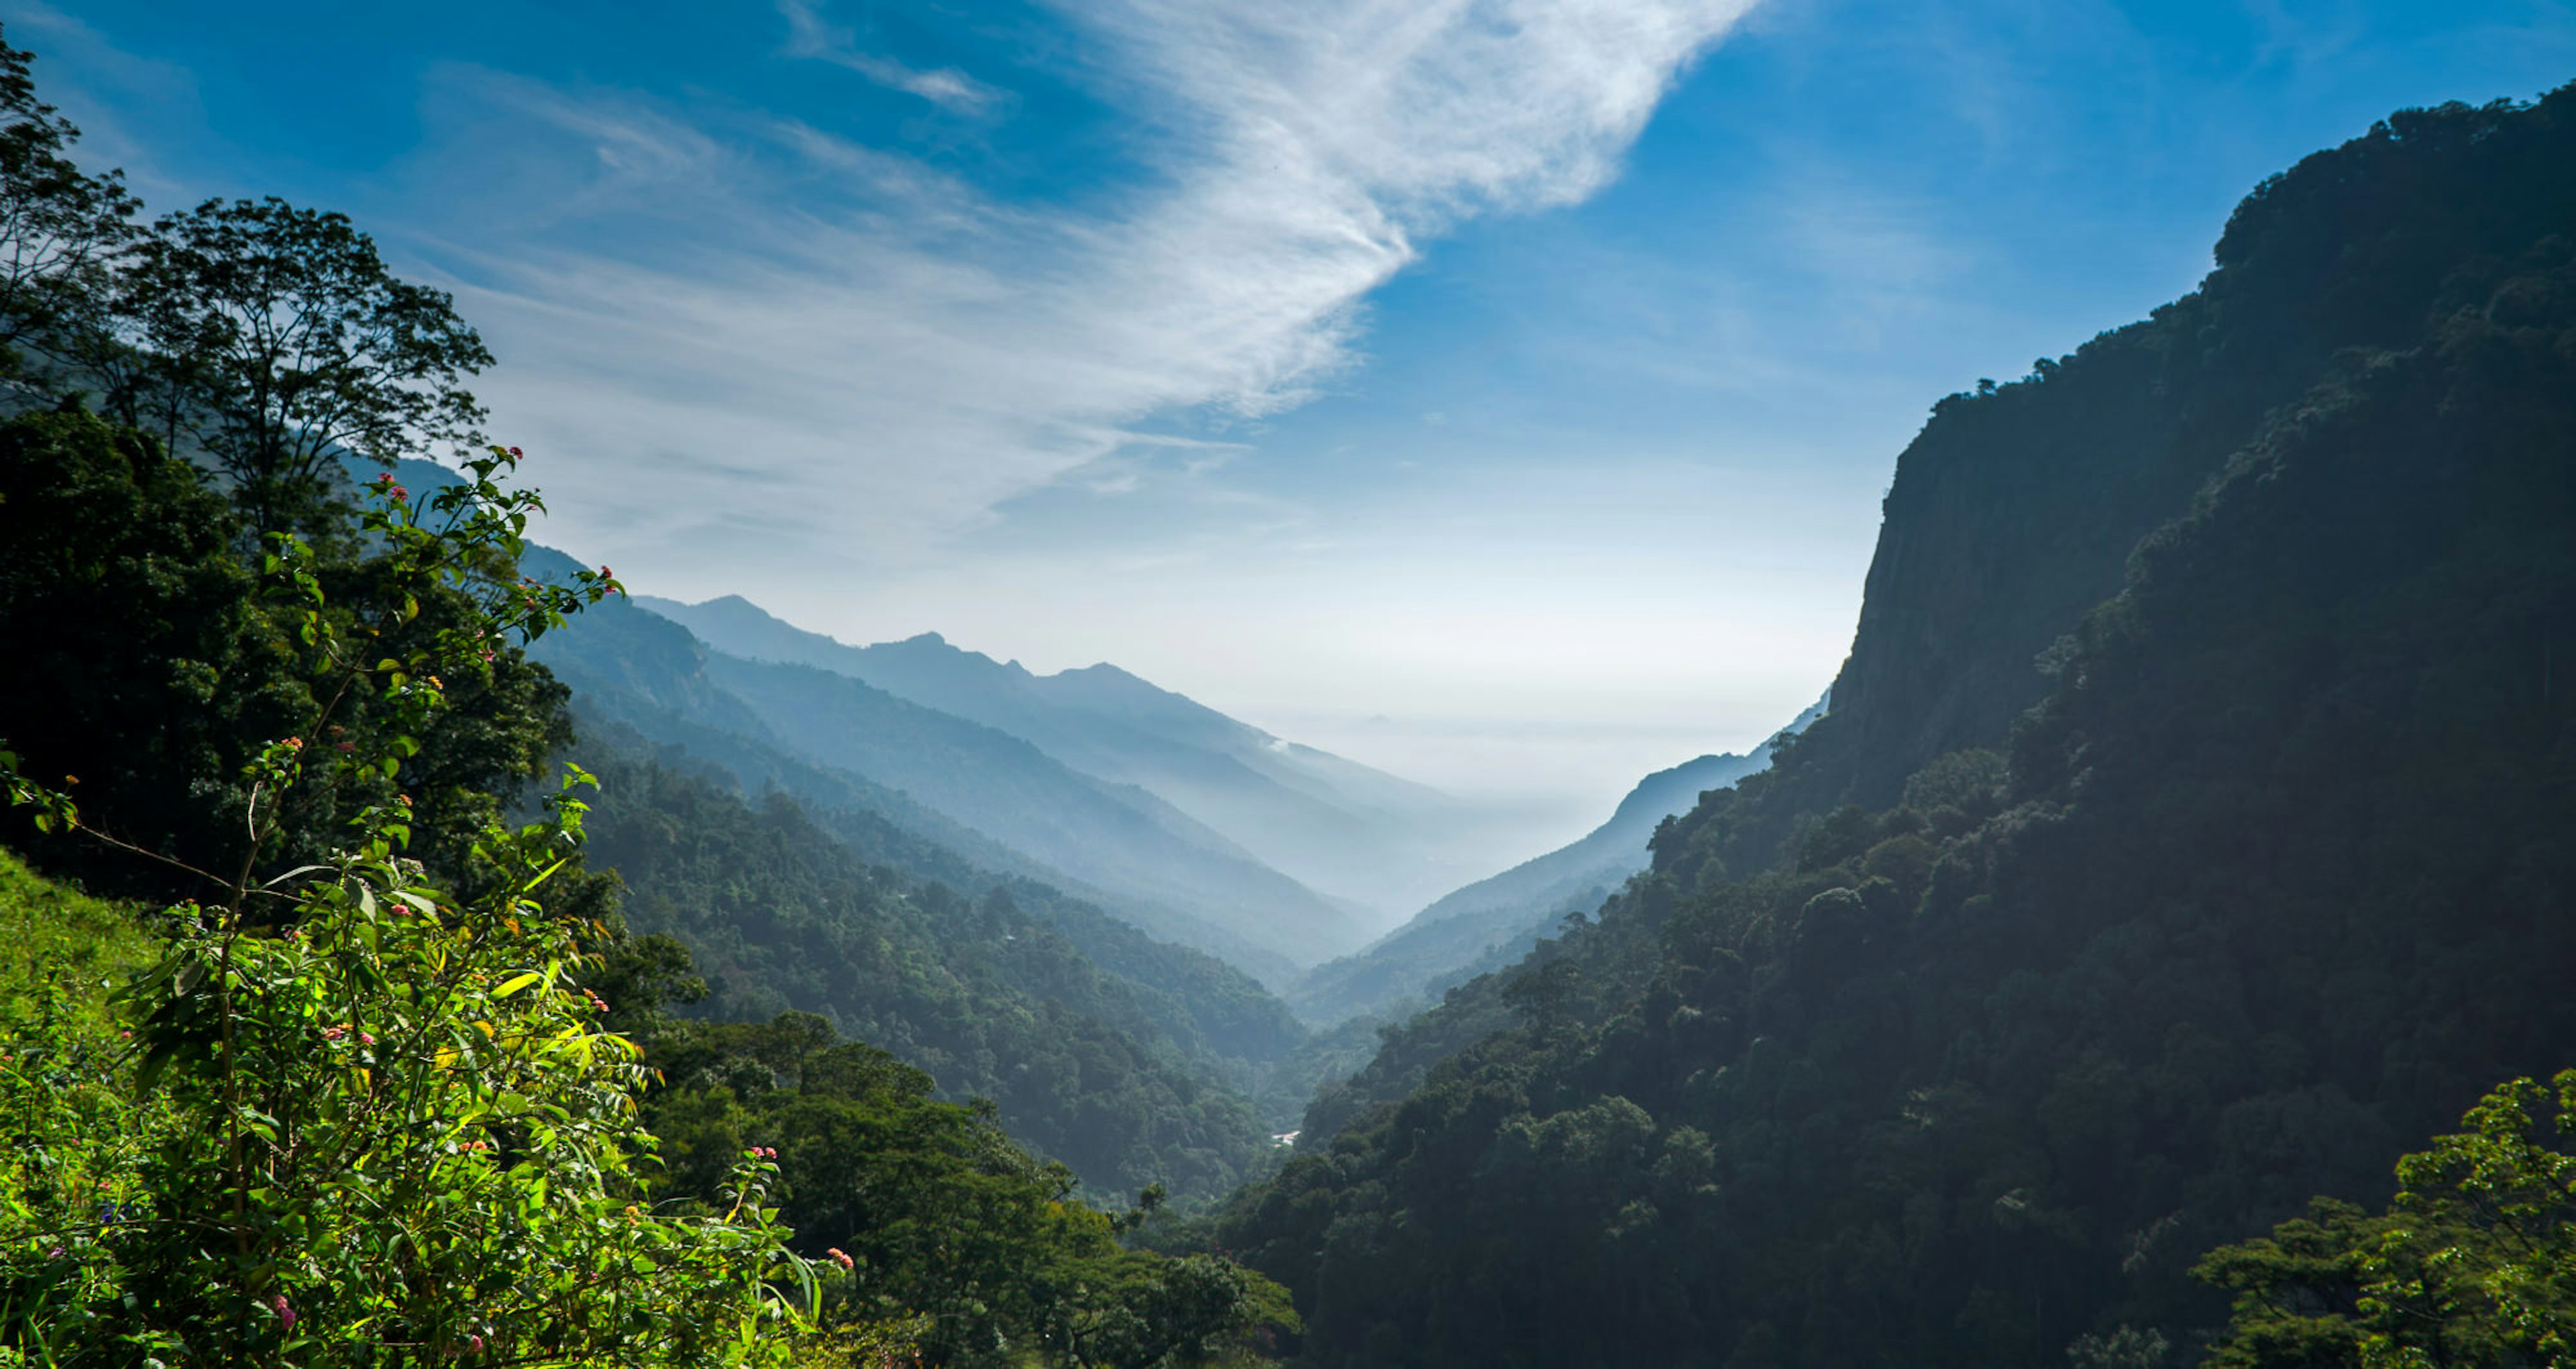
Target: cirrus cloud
830,346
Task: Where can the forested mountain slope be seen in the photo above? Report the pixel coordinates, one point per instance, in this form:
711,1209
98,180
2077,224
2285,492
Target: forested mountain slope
986,997
2270,883
1203,1002
1332,824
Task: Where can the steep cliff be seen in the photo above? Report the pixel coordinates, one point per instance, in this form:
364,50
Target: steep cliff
2268,882
2016,507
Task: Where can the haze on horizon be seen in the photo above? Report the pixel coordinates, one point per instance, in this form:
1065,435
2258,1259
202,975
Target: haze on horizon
1499,393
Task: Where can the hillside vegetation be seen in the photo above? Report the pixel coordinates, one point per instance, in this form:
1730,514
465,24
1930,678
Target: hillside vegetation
1959,1035
986,998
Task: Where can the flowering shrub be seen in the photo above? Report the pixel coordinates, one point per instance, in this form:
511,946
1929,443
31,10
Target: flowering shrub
363,1119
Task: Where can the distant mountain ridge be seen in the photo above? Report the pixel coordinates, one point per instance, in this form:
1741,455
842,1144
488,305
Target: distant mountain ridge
1121,837
1494,921
1358,835
1180,880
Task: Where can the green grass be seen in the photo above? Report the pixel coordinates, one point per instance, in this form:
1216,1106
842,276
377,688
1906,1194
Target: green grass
49,932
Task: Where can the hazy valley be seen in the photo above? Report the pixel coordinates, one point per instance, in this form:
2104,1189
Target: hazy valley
2151,948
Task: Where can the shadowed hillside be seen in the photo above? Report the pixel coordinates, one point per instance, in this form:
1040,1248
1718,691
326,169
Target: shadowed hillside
1956,1036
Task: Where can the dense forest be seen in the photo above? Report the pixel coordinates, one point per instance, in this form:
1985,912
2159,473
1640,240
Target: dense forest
992,1000
2013,988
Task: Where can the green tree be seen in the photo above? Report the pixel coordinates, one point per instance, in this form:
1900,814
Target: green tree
917,1206
144,674
391,1129
149,663
61,230
2473,1264
273,338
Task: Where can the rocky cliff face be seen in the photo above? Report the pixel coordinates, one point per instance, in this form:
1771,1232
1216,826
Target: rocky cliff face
2017,507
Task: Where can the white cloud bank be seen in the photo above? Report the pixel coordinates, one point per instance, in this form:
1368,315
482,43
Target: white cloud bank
856,358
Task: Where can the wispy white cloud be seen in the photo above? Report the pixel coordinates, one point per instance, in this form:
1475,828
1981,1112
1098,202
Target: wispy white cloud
809,35
862,352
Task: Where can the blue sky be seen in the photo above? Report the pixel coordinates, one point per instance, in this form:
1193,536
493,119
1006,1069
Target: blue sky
1499,390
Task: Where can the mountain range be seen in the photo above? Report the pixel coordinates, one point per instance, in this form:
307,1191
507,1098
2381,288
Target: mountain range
1361,837
834,739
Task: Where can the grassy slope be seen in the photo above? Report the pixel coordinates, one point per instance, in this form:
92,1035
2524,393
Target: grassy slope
49,930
